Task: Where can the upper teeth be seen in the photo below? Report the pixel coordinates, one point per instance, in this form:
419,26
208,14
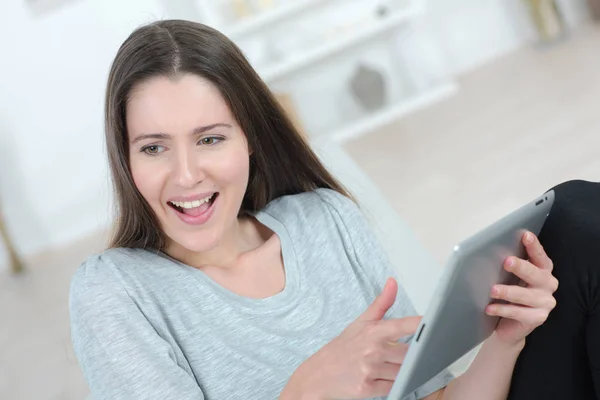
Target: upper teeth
192,204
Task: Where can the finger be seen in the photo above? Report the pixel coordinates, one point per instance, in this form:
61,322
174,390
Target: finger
525,315
386,371
531,275
530,297
528,272
394,352
382,303
535,251
379,388
392,330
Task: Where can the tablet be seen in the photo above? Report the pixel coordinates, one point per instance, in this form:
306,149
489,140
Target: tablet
455,321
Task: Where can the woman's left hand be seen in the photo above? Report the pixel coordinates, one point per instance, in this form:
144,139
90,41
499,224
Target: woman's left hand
531,301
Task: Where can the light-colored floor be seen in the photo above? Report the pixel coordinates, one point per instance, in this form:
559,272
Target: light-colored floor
36,357
517,127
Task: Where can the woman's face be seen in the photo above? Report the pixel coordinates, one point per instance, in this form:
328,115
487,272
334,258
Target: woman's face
188,157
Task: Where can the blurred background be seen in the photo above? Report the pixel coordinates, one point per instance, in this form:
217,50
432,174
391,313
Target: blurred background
453,112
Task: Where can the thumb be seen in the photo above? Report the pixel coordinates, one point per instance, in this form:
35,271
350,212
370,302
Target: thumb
382,303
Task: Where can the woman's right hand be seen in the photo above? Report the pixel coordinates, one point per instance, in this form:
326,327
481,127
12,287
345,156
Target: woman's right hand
362,362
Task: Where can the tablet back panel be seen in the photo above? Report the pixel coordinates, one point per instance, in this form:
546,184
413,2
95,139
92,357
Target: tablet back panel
455,321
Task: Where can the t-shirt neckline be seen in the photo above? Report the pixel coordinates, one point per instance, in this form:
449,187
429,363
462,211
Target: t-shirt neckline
277,302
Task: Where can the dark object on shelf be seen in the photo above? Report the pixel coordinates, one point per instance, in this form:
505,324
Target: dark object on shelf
368,87
548,20
382,11
594,6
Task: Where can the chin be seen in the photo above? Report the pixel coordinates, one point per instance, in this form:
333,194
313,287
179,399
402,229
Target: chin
195,242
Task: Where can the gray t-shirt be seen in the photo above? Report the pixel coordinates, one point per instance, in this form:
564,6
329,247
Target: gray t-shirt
145,326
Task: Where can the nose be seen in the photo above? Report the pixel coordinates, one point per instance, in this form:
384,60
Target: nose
188,171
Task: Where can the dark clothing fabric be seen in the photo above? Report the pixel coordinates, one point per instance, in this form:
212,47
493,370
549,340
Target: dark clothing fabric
561,359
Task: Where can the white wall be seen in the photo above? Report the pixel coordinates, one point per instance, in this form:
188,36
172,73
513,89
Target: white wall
473,32
53,67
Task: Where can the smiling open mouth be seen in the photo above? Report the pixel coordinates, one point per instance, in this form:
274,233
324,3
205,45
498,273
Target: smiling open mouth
194,208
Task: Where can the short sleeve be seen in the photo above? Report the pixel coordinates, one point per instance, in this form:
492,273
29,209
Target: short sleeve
372,260
121,354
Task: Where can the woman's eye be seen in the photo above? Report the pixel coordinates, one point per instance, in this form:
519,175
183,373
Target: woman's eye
152,149
209,140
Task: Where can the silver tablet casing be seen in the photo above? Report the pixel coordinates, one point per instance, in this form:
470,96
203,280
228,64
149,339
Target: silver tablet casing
455,321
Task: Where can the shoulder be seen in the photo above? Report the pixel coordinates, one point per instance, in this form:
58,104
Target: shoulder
576,202
311,205
577,190
104,268
576,209
100,278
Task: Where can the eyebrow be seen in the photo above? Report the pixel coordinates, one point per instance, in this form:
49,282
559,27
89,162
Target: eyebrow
195,132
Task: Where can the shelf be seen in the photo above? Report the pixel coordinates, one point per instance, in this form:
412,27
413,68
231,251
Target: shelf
275,15
371,30
391,113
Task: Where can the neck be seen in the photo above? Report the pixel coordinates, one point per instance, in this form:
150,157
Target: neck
241,237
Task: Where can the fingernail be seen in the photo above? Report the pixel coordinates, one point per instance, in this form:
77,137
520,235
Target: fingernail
528,238
491,310
510,263
495,291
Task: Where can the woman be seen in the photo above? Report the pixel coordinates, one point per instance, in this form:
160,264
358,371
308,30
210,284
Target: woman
240,268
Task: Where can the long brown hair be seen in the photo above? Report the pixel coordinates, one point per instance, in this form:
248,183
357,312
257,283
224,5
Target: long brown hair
281,162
